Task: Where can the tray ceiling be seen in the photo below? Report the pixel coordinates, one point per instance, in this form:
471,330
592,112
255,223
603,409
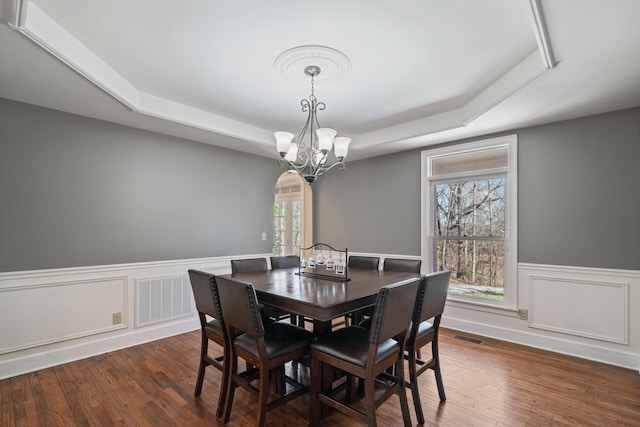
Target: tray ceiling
421,72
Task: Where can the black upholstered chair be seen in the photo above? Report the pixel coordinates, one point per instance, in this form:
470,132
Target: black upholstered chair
393,264
434,288
405,265
374,355
267,346
248,265
289,261
364,262
207,303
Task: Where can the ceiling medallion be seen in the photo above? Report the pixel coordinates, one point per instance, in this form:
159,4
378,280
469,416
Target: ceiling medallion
292,63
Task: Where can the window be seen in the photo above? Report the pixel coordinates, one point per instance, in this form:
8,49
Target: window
288,217
469,220
286,214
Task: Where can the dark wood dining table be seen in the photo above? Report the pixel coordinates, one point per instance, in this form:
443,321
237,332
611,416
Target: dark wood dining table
317,298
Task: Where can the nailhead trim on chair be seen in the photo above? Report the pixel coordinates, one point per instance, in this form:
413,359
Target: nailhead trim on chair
383,297
254,309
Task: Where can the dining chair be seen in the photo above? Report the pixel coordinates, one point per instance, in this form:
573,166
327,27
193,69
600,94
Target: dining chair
430,305
208,304
404,265
364,262
375,356
393,264
267,346
249,265
289,261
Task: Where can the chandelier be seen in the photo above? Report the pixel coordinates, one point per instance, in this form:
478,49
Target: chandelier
308,153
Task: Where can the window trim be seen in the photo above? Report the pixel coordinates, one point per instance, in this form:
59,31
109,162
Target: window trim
510,301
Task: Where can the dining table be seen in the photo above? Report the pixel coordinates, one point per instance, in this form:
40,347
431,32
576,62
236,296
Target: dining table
319,298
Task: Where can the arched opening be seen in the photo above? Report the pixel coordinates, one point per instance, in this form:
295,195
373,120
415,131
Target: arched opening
292,214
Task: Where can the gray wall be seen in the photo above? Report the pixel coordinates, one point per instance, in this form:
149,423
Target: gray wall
578,196
76,191
371,206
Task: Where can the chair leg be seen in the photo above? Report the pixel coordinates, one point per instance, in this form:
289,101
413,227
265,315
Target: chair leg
263,394
224,384
370,402
230,387
413,380
436,369
203,366
402,392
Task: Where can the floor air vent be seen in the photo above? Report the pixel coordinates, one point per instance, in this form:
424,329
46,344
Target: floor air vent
469,339
163,299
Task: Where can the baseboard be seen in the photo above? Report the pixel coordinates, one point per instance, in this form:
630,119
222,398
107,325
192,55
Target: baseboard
596,353
48,358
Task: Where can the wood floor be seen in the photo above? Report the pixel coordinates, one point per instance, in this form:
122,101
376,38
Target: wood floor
489,384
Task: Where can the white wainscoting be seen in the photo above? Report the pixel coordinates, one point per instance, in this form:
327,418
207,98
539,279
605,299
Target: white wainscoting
60,311
585,308
590,313
50,317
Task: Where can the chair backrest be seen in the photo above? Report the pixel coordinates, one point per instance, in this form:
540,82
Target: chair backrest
390,315
248,265
364,262
240,306
205,293
405,265
284,261
435,296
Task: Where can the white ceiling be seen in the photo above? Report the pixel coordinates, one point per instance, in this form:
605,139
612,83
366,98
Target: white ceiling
422,72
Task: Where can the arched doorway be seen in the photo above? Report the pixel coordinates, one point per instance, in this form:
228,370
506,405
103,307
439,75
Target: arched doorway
292,214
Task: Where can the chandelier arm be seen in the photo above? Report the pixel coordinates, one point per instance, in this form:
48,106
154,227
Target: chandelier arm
305,158
309,109
322,171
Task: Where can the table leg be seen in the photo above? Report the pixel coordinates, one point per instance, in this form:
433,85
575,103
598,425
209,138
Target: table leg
321,327
328,373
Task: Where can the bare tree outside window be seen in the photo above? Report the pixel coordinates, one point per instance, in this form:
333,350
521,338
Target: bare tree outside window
470,235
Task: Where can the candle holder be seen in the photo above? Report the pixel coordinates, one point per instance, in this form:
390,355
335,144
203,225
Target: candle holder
324,262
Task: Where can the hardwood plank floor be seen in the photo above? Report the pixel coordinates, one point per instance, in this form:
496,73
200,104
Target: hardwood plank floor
489,384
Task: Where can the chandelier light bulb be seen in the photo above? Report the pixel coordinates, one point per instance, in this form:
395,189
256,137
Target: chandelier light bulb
325,138
341,147
283,142
292,155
